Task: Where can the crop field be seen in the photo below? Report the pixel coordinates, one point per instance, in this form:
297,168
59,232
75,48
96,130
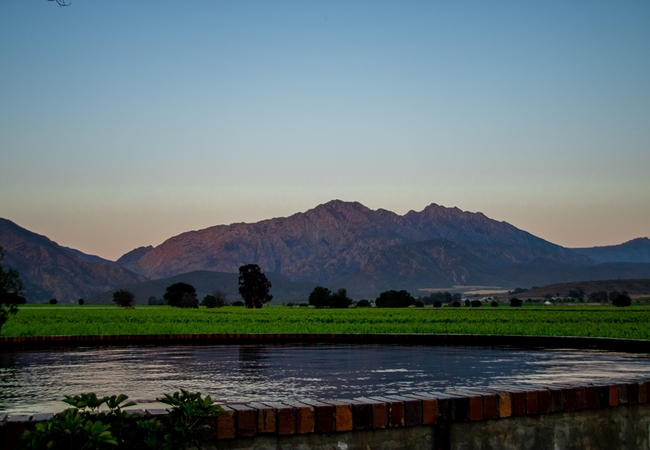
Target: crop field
600,321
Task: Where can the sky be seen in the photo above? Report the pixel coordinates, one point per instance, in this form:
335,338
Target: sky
125,123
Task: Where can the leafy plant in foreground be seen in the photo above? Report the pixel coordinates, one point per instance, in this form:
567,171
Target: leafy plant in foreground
84,427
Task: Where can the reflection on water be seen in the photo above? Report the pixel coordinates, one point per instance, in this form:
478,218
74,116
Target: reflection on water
35,381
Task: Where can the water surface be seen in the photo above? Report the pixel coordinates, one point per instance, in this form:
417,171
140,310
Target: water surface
36,380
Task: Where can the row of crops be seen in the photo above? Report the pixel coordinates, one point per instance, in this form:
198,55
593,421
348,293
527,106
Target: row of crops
601,321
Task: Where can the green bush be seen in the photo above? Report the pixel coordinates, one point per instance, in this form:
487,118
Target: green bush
83,427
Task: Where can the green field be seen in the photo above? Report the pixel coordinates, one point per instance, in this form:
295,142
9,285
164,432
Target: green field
601,321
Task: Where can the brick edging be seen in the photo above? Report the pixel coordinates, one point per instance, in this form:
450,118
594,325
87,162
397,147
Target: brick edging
614,344
302,417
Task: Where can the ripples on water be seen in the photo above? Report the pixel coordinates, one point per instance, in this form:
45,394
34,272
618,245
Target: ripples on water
35,381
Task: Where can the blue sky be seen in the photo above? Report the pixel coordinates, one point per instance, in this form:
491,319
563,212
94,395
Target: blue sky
123,123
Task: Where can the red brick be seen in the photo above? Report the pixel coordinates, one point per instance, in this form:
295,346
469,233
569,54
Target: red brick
246,420
532,402
379,412
429,408
395,411
518,403
412,409
544,401
342,415
569,397
581,397
642,392
304,417
265,418
285,417
613,395
225,425
505,404
475,408
591,395
324,415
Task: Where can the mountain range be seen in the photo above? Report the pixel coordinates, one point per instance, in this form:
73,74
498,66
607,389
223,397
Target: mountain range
336,244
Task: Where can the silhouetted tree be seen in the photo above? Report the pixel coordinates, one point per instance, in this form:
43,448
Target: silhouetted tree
622,300
181,295
515,302
52,301
254,286
320,297
11,292
81,301
394,299
476,303
494,304
363,304
340,299
124,298
217,299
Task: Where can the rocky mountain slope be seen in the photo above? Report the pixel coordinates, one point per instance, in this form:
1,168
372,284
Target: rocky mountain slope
347,244
337,244
49,270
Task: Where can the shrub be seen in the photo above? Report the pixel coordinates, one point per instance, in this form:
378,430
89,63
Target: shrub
455,304
83,426
320,297
81,301
515,302
494,304
394,299
52,301
181,295
218,299
238,303
419,304
622,300
476,304
124,298
340,299
437,304
363,304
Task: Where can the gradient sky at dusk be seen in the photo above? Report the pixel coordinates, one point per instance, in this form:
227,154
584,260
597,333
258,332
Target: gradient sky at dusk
123,123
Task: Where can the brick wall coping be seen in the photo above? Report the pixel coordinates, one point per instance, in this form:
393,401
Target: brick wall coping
438,408
613,344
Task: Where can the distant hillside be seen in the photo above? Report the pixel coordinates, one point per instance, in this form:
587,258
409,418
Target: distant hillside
632,287
636,250
49,270
367,251
336,244
206,282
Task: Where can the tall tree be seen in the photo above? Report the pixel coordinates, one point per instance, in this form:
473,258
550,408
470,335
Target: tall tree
124,298
254,286
340,299
320,297
394,299
182,295
11,292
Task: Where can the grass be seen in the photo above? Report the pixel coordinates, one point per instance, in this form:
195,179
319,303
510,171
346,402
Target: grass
597,321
